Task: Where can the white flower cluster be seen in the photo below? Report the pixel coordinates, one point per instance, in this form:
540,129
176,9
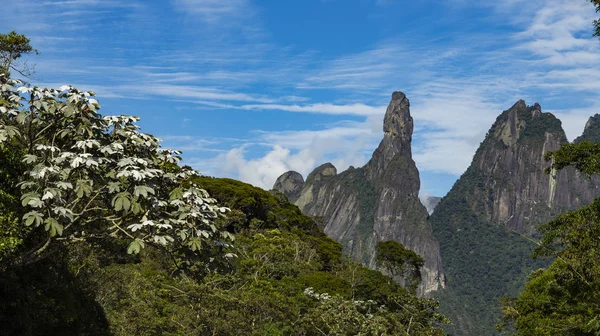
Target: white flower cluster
86,168
310,292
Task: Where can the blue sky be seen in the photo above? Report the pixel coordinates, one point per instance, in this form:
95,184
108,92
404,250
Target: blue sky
250,89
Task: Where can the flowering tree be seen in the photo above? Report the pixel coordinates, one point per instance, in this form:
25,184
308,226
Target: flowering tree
92,176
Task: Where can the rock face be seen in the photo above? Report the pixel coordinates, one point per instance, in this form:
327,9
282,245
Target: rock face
591,132
290,184
510,161
484,221
378,202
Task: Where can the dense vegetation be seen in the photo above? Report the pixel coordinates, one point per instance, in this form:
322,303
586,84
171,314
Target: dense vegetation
397,260
536,127
483,262
98,289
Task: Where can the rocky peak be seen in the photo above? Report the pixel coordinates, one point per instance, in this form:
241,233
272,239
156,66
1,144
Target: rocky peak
397,126
290,184
524,123
380,201
508,126
591,132
505,190
323,171
397,134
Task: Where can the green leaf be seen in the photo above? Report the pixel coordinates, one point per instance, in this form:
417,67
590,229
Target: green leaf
195,244
21,117
25,198
83,188
68,111
29,158
176,193
53,226
135,247
136,208
64,185
121,201
143,191
33,217
114,187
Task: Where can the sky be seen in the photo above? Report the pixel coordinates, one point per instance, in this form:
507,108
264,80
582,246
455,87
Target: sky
250,89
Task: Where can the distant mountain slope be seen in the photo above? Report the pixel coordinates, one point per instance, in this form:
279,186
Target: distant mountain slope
360,207
430,202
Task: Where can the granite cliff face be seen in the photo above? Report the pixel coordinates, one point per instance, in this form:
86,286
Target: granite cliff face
484,222
591,132
290,184
515,191
362,206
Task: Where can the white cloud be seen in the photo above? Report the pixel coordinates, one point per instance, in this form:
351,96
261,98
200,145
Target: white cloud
349,109
193,92
344,144
214,11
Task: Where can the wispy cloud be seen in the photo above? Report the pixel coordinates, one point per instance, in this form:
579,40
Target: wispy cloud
349,109
215,11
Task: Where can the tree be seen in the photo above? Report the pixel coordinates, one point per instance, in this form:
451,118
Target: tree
397,260
12,47
90,177
564,299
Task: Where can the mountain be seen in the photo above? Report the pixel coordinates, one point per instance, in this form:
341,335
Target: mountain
430,202
591,132
380,201
487,222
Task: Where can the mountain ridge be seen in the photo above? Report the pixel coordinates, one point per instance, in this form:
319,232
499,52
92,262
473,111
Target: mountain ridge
486,222
376,202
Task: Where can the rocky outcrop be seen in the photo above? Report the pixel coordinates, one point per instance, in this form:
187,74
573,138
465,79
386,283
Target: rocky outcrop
486,221
514,189
378,202
591,132
290,184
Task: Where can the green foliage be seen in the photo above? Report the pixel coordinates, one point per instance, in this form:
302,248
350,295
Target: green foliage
48,299
596,22
12,47
262,292
584,156
255,208
11,232
87,176
563,299
537,127
477,274
399,261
